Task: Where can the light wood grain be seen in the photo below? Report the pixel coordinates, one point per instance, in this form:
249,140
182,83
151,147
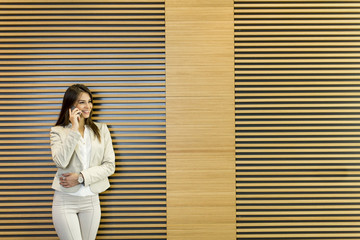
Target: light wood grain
200,150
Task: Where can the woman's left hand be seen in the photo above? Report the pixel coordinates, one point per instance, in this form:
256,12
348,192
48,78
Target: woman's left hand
68,180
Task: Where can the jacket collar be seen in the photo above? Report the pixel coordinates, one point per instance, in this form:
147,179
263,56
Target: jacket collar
92,137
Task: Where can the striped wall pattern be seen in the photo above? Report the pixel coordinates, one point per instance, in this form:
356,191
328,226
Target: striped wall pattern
117,49
297,119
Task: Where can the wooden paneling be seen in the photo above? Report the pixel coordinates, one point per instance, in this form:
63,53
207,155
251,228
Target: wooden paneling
200,120
117,49
297,128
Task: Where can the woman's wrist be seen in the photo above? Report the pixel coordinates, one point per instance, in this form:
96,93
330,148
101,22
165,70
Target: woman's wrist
81,179
75,126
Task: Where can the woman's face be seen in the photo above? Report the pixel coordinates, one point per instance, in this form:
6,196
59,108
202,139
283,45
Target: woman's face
84,104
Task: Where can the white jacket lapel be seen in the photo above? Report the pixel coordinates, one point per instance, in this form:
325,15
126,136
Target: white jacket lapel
93,142
77,148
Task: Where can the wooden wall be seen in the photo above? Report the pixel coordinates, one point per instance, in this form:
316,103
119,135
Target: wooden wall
230,119
200,120
297,119
175,175
118,50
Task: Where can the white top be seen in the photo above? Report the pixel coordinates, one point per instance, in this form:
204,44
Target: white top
84,148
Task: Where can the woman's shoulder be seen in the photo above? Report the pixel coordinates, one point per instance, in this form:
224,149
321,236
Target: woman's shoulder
60,128
100,125
57,128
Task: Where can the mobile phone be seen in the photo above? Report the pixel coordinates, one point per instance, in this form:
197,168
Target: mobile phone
72,109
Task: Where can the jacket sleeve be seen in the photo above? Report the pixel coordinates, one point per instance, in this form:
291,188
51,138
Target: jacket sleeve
107,167
63,147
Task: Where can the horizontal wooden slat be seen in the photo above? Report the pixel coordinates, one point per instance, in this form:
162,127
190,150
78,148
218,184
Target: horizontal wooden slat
114,140
137,129
288,40
79,11
84,45
123,174
98,57
294,66
301,82
300,185
83,17
279,10
297,22
131,237
299,1
240,17
299,49
297,44
42,227
82,73
75,6
95,118
135,146
122,220
298,33
305,128
257,224
145,108
299,173
142,87
307,111
78,1
295,99
304,179
76,51
122,231
309,6
120,113
81,28
89,78
98,62
103,22
311,116
83,34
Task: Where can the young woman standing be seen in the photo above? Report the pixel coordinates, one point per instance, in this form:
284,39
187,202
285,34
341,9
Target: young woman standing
83,152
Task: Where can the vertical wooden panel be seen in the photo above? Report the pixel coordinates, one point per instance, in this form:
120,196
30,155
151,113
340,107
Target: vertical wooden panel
200,120
118,50
297,119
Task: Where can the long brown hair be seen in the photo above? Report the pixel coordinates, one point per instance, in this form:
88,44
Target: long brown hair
70,97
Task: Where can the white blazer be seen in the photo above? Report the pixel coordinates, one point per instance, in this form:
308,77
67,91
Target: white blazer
65,154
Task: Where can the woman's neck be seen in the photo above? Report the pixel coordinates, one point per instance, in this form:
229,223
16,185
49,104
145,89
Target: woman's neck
81,123
82,126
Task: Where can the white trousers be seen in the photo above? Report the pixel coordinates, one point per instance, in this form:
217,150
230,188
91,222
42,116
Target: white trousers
75,217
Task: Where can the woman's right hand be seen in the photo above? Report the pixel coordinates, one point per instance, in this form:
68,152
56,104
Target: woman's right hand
74,118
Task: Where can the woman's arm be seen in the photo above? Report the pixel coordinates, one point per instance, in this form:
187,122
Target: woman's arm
62,148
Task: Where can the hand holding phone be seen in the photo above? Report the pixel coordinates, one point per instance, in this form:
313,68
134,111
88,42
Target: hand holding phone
74,115
72,109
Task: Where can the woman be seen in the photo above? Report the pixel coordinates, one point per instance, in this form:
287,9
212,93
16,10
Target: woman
83,152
